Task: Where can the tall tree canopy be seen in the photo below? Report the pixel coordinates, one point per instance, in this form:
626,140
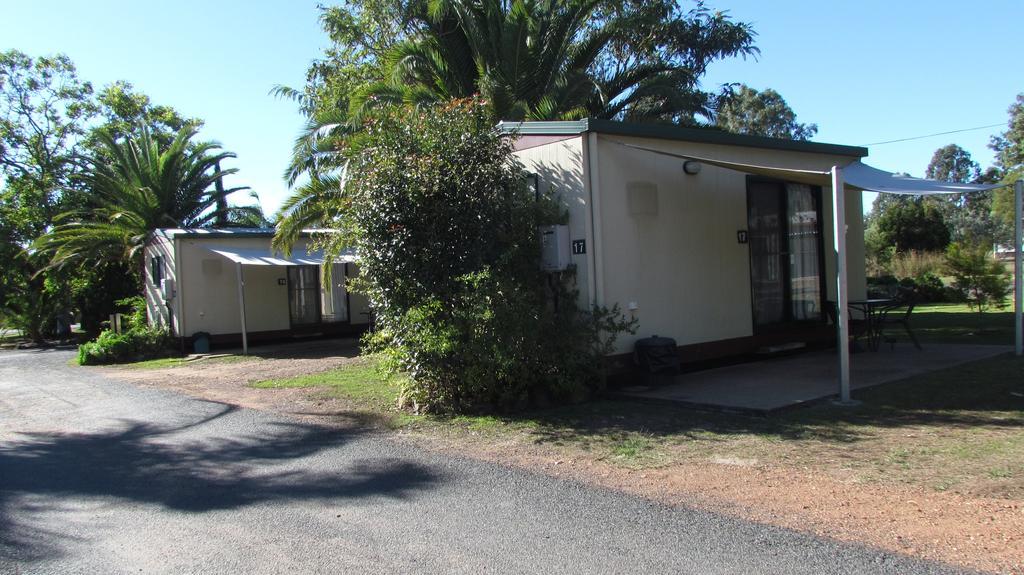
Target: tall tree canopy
968,215
902,224
1009,146
765,113
43,110
49,121
537,59
43,107
137,186
123,110
1009,149
528,59
952,163
548,60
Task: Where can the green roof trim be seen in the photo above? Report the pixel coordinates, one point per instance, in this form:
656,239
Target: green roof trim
671,132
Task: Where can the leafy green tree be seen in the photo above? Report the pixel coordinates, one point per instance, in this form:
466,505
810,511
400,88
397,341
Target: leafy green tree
542,60
980,280
1009,149
43,110
122,110
529,59
451,267
48,117
951,163
968,215
137,187
765,113
1009,146
902,224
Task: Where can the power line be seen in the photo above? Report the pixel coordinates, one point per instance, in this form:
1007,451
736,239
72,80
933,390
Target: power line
935,134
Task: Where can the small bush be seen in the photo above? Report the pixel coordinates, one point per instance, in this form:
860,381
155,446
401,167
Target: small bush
926,288
137,342
882,286
980,281
135,318
913,275
133,345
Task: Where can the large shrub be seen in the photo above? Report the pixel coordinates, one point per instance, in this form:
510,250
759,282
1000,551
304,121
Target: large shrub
137,341
446,229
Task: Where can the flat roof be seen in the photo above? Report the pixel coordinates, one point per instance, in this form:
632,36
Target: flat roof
228,232
678,133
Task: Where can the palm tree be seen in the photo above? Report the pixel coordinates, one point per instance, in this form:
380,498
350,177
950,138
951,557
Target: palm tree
560,59
530,59
134,188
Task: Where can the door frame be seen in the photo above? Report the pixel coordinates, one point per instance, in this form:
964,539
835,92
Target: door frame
788,323
319,309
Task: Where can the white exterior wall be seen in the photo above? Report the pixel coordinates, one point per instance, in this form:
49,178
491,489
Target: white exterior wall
561,174
156,307
683,265
206,286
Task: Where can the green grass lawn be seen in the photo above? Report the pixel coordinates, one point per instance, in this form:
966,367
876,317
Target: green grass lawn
956,323
956,429
165,362
359,382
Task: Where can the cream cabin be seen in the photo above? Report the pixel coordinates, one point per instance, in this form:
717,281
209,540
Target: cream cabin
230,284
713,239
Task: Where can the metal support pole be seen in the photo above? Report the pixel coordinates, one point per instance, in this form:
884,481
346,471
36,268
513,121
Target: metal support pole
842,297
1018,281
241,307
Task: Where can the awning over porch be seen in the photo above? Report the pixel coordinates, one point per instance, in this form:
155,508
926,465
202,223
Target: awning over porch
267,257
858,176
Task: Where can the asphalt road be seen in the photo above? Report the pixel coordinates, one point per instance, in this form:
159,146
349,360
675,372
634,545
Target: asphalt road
97,476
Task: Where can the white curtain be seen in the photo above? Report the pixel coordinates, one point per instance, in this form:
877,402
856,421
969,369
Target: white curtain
804,258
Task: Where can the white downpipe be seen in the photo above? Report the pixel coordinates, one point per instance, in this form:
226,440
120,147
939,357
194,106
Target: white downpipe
589,145
241,307
842,297
1018,281
595,225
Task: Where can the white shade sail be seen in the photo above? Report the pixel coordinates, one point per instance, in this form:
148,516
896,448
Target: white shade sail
266,257
856,175
861,176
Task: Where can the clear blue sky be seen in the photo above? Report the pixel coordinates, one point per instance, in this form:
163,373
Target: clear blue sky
865,71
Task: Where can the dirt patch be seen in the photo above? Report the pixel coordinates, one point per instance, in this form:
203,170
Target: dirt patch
228,379
967,529
975,532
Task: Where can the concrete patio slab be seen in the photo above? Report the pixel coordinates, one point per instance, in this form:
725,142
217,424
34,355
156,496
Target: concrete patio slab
765,386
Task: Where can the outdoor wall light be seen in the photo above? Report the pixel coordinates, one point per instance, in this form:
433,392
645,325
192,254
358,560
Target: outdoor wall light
691,167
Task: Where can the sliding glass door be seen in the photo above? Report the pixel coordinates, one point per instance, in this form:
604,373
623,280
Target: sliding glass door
303,295
784,230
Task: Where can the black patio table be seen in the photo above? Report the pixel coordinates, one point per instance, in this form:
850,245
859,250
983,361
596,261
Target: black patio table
872,309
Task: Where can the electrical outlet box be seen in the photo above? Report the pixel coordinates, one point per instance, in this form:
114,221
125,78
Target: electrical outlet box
556,253
167,288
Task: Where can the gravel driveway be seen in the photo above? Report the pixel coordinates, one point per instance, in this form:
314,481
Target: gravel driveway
98,476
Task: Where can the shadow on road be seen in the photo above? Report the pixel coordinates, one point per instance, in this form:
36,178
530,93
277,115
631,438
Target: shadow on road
184,468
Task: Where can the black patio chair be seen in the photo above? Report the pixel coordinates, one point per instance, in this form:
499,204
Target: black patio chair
858,327
898,315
